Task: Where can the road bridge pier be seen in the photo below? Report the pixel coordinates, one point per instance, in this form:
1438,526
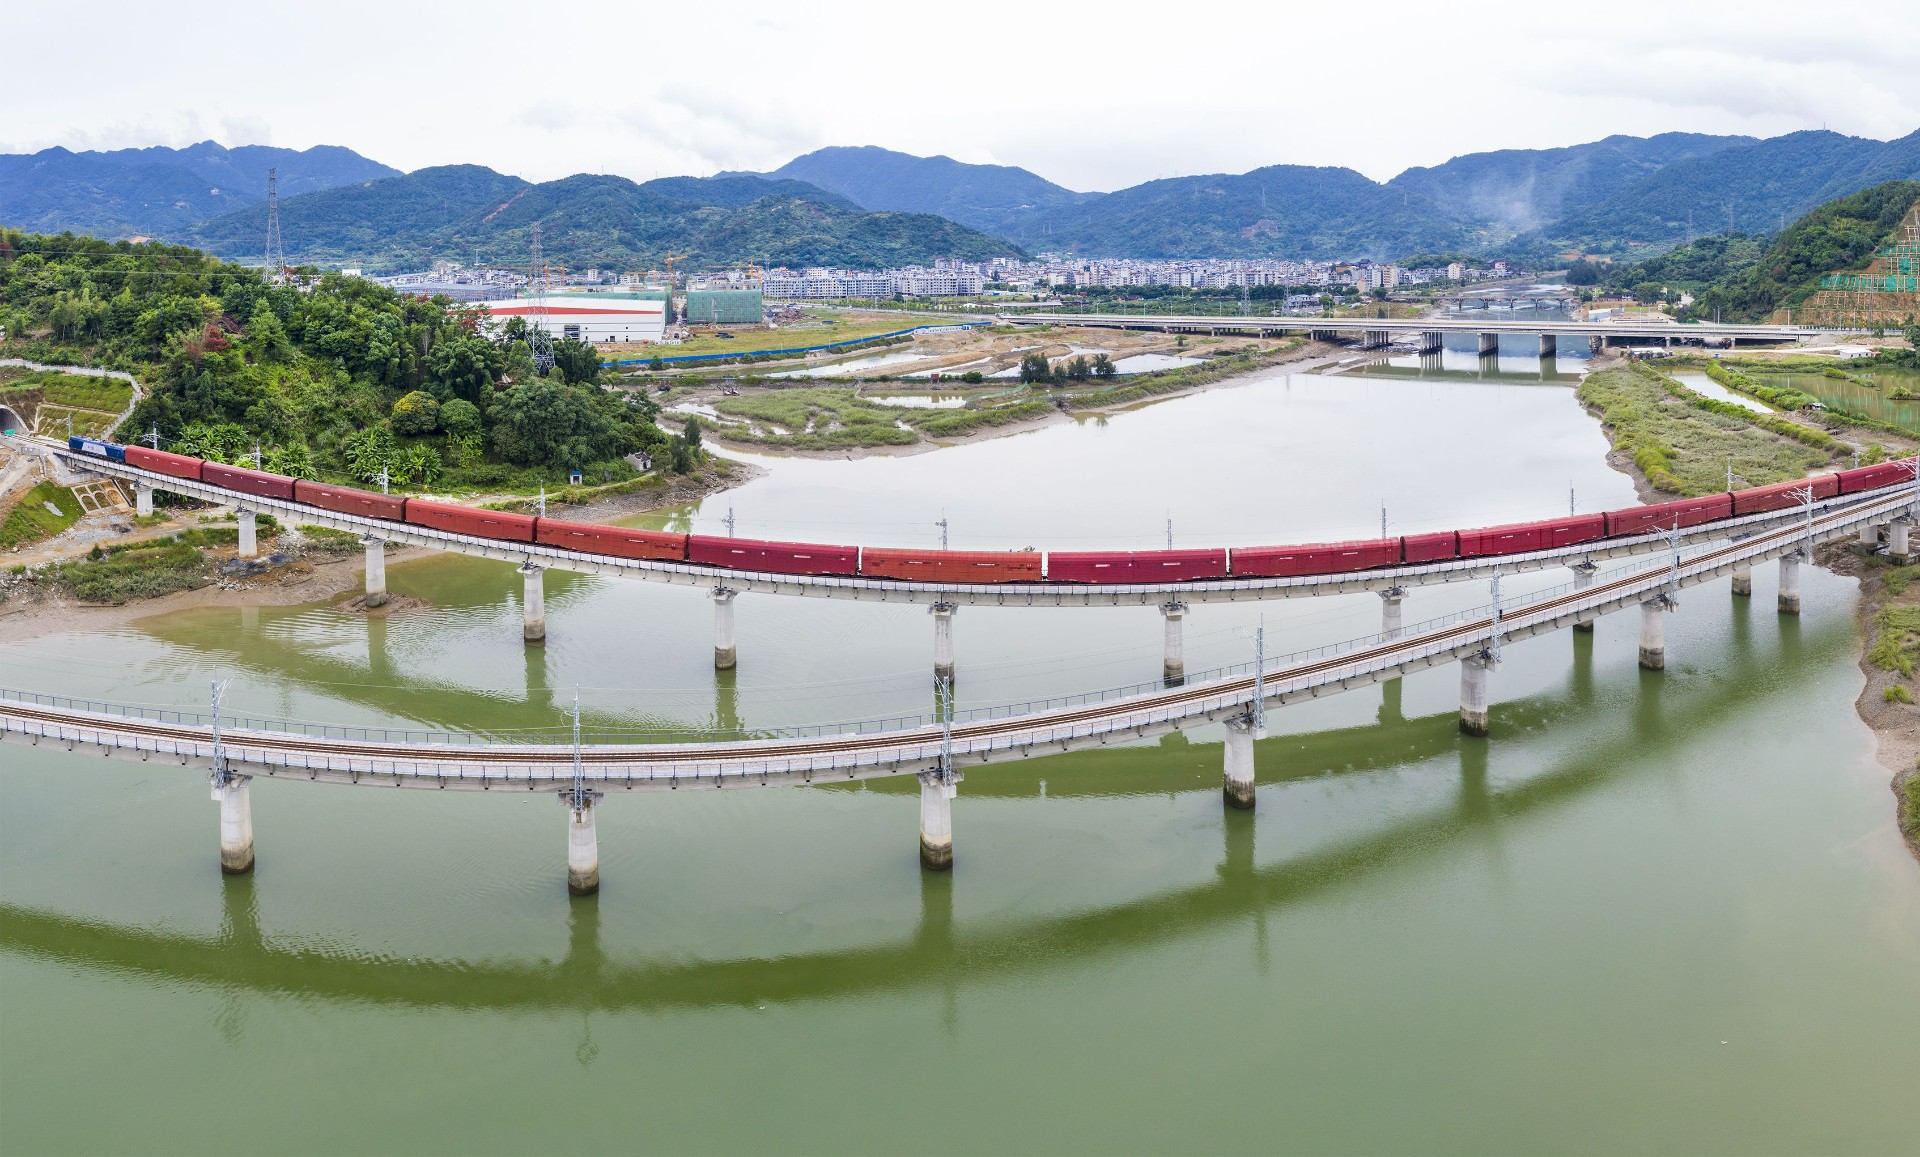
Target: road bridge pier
1430,342
942,613
1789,602
376,582
937,789
1236,780
583,842
1653,642
143,500
533,602
1374,339
249,544
1473,691
725,656
1173,655
234,796
1489,344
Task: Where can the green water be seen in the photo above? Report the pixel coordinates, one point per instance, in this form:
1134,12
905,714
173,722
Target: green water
1872,401
1417,943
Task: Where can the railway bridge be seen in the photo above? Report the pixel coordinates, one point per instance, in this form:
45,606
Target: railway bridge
940,747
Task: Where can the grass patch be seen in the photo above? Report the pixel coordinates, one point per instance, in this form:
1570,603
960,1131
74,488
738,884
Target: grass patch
86,423
832,327
1910,807
31,521
1898,646
1897,693
86,393
141,572
1683,442
816,418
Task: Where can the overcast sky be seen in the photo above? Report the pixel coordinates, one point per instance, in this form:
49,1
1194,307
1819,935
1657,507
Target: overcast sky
1094,96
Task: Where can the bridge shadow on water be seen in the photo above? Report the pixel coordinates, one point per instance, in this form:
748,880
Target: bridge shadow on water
941,954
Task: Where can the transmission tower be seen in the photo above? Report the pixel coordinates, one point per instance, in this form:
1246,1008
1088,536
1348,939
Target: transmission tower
539,338
276,252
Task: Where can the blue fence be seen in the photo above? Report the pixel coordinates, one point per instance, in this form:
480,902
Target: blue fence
685,359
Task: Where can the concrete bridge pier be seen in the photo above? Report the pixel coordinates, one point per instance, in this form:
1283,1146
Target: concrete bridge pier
1236,785
249,545
943,639
1473,691
534,602
1790,584
1173,660
143,500
1897,535
1870,536
1489,344
376,570
725,656
1430,341
937,789
1743,582
1390,612
583,844
236,823
1549,345
1374,339
1653,639
1583,573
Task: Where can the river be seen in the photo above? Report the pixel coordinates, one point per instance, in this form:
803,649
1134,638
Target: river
1654,912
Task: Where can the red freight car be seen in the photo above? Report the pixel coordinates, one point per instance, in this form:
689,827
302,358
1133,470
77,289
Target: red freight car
1779,496
1667,515
1135,566
161,462
470,520
1315,558
952,566
1437,546
1525,536
617,541
777,557
1874,477
256,482
347,500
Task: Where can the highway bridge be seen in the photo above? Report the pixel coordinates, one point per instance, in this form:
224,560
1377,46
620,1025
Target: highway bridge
1427,333
938,749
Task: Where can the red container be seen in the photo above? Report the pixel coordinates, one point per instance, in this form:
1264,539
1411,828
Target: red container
776,557
617,541
1135,566
1779,496
1874,477
255,482
952,566
1522,537
469,520
347,500
161,462
1437,546
1315,558
1667,515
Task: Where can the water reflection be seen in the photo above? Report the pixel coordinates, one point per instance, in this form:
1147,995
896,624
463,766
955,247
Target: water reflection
938,952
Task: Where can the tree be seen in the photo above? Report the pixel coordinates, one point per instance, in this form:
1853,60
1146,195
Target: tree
1647,292
547,422
1103,366
460,418
416,413
1077,369
577,361
1034,368
1583,272
463,365
657,364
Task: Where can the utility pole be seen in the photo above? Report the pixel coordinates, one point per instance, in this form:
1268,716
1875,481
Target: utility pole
1493,643
729,522
539,337
152,437
543,500
221,776
942,524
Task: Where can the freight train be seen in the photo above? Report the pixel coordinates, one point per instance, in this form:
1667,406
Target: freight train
1029,566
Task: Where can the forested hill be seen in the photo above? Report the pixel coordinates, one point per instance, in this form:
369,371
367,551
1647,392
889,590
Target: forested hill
340,379
468,213
1742,277
162,190
989,197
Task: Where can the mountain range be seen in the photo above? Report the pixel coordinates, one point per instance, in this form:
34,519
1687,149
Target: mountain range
1623,196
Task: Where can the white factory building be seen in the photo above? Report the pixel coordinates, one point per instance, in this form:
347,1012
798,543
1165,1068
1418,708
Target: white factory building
591,317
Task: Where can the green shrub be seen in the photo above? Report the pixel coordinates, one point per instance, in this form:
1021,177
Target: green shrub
1897,693
31,521
1899,643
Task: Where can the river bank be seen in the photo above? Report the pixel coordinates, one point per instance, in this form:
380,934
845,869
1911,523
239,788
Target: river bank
1888,613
